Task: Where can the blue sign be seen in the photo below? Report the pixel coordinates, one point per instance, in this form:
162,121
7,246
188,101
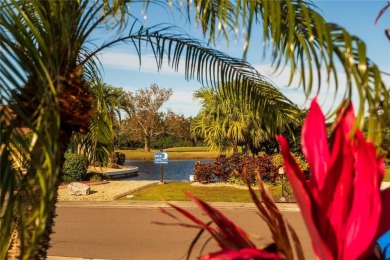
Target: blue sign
161,157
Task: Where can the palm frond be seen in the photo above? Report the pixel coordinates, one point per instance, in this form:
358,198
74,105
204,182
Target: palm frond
299,37
42,150
208,66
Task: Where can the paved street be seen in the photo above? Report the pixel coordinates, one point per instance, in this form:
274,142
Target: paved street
124,230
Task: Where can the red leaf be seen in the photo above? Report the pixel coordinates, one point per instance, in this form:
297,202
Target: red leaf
245,253
305,200
230,231
315,145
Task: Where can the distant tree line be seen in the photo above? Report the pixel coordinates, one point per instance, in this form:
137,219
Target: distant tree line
221,123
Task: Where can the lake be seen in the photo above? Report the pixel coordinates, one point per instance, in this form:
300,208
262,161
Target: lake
175,170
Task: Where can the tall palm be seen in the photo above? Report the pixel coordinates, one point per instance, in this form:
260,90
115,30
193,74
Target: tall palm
108,105
224,123
47,61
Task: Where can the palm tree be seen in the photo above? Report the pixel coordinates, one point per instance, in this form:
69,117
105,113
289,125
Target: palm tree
109,104
225,123
48,59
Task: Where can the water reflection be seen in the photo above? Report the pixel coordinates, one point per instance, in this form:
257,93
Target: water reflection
179,170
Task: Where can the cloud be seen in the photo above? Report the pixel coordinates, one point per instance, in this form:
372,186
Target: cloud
130,62
328,96
182,100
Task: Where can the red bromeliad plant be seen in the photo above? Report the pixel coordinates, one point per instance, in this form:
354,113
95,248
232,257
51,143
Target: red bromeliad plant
342,205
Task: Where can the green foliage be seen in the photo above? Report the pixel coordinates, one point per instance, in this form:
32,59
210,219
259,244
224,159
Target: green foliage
189,149
236,180
120,158
95,176
169,141
237,168
75,167
226,122
381,133
277,160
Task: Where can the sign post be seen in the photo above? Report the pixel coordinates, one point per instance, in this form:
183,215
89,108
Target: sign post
161,158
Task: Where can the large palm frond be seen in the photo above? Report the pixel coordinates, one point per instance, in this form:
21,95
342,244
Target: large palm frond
17,64
296,34
207,65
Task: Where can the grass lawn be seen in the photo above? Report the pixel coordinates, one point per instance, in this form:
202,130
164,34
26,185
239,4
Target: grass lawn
174,191
387,175
175,153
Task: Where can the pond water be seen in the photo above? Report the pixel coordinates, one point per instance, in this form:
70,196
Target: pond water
178,170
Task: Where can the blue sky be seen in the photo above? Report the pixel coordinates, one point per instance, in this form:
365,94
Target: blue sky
121,67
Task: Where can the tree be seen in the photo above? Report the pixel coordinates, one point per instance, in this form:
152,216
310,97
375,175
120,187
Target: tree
178,125
292,132
109,104
225,123
383,134
49,56
146,119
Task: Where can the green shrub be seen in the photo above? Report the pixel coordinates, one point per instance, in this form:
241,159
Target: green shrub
95,176
75,167
277,160
168,141
236,180
120,158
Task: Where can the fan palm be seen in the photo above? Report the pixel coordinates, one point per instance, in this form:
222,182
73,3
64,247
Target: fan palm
48,59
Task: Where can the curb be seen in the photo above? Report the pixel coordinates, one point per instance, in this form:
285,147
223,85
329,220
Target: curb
71,258
291,207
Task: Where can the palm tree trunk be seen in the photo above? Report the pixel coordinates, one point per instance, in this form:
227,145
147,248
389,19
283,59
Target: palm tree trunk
28,200
44,245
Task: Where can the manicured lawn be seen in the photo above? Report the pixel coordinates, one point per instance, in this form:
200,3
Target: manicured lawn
175,153
174,191
387,175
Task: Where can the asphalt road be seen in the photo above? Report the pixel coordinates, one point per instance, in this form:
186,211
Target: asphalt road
116,232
